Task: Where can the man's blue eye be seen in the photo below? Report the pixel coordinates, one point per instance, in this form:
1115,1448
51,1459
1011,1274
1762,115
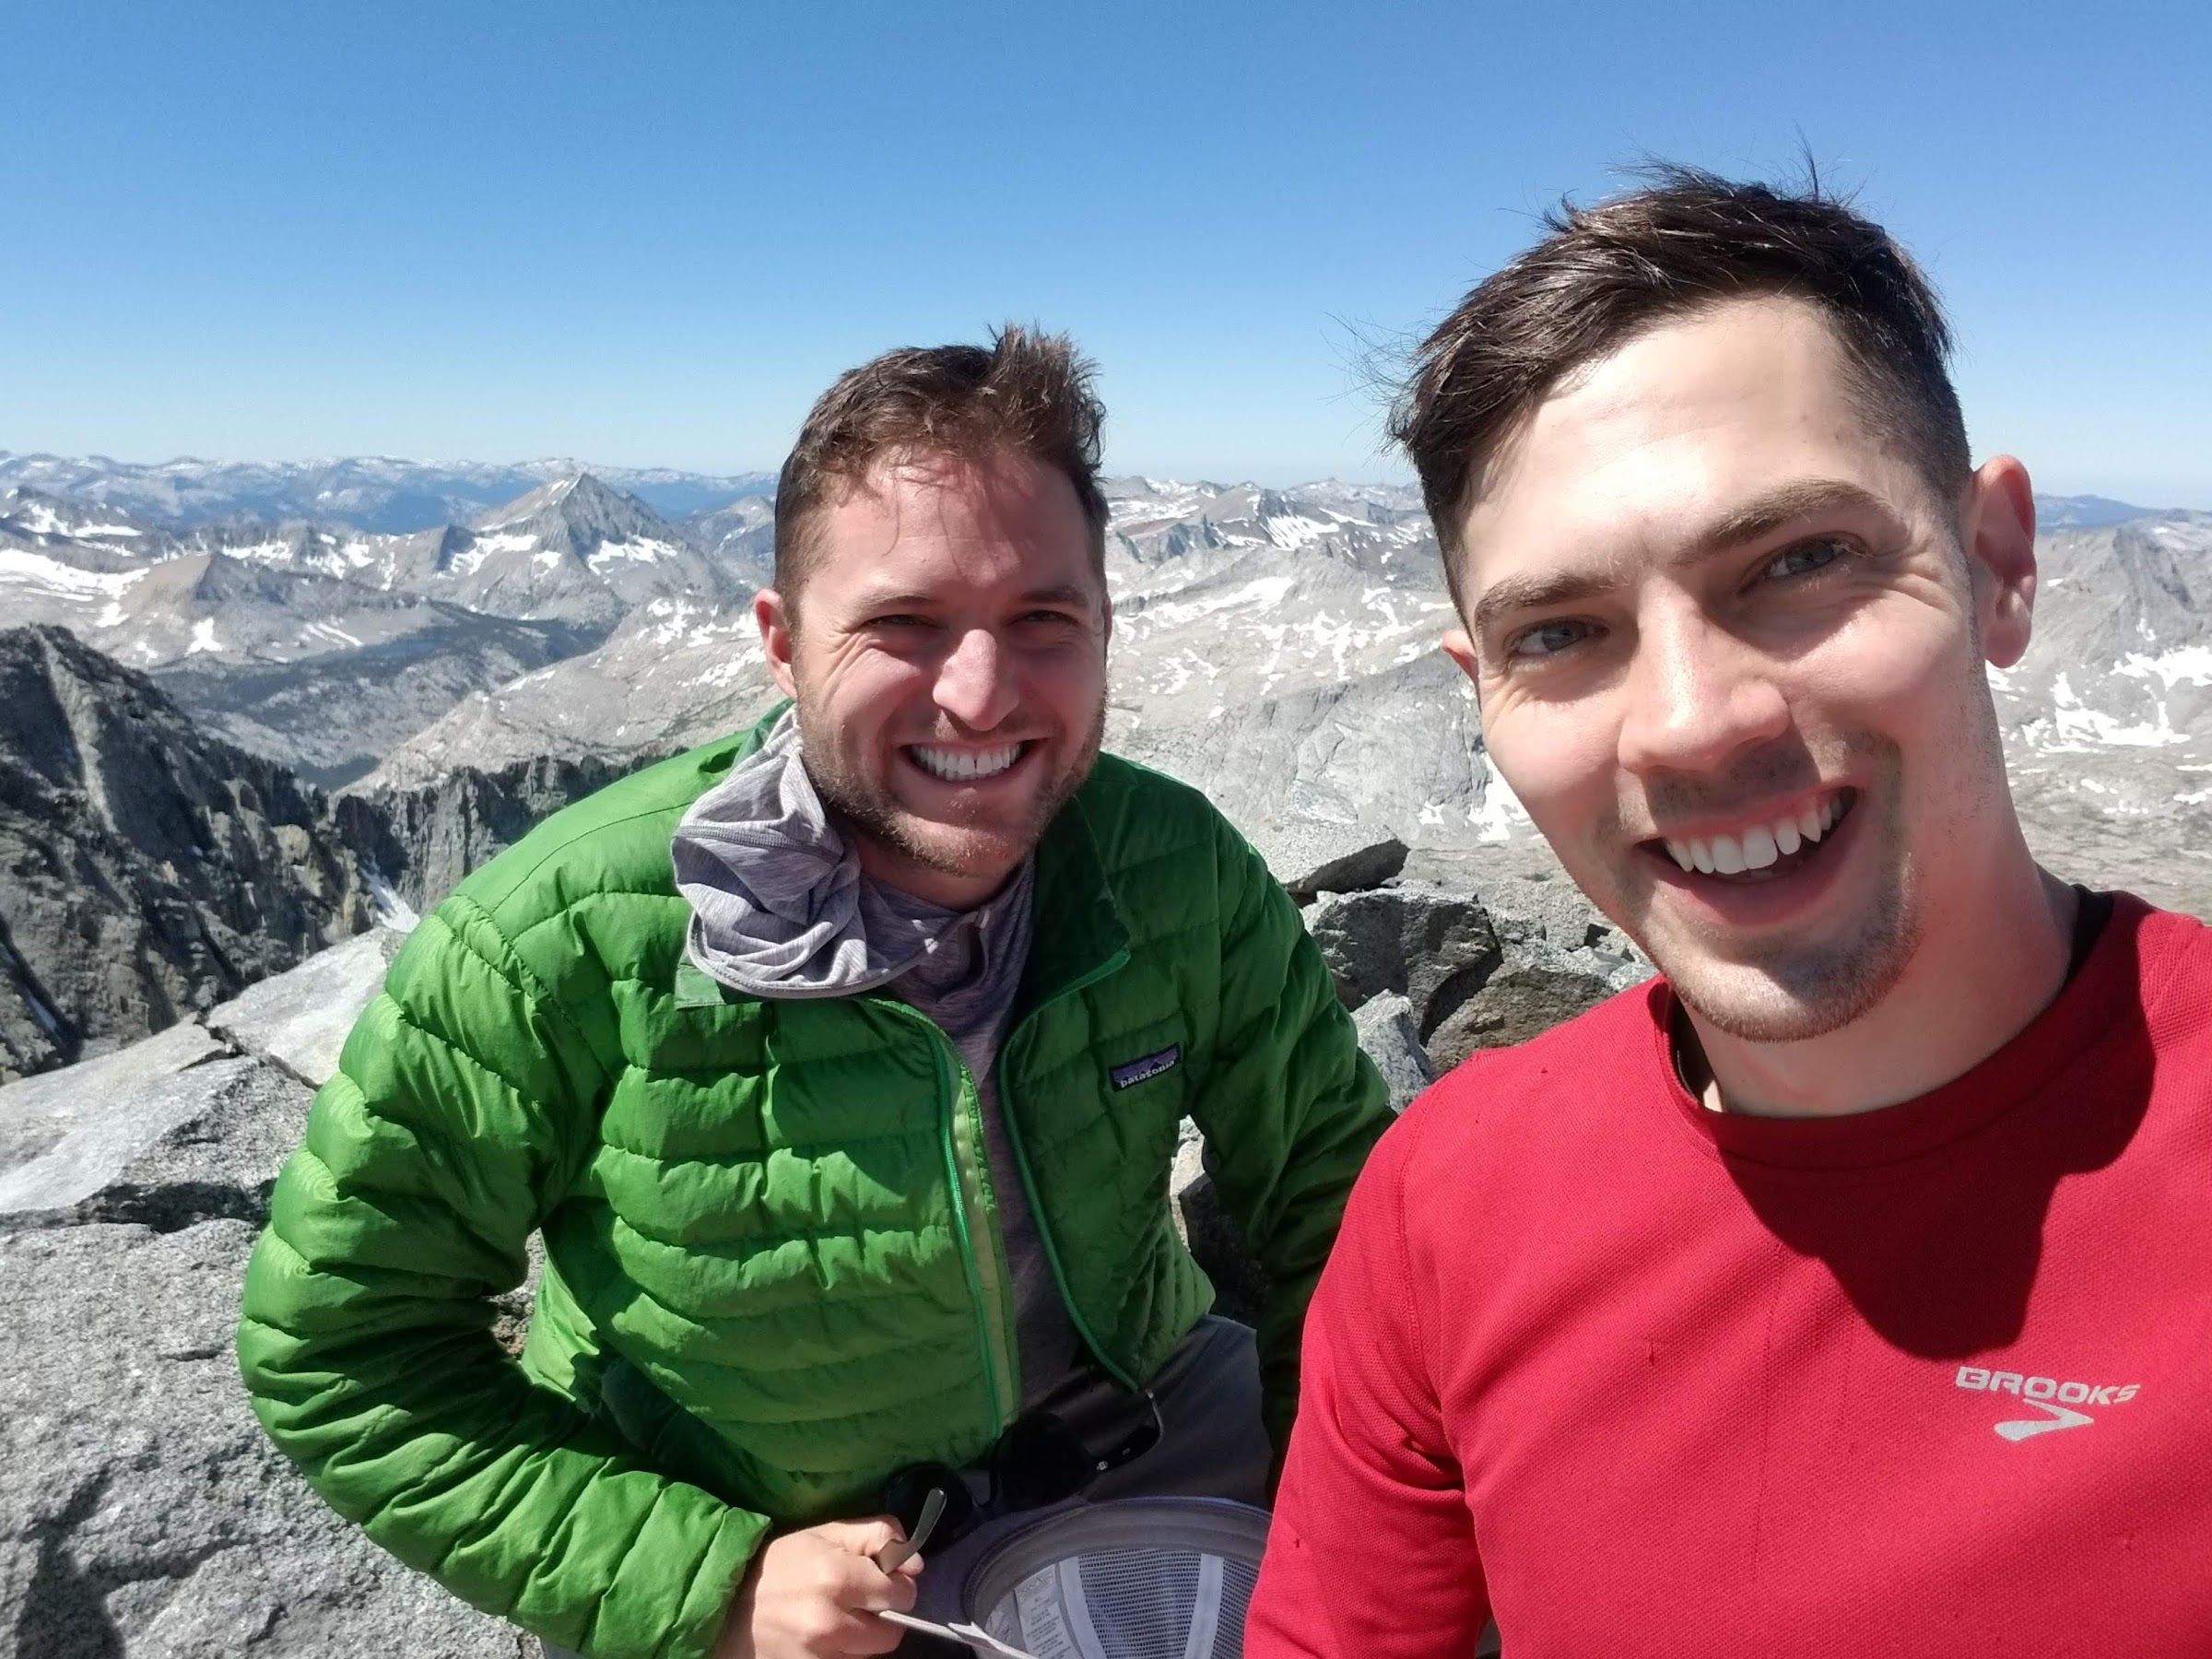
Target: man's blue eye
1804,557
1548,639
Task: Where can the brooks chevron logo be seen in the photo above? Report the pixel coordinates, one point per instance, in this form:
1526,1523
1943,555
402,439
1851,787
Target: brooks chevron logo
2047,1394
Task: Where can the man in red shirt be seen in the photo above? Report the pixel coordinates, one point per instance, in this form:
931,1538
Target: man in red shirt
1846,1289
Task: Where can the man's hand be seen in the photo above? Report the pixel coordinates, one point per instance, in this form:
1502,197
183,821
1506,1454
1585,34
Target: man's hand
815,1593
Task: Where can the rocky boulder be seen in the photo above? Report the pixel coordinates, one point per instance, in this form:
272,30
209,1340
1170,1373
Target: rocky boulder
298,1020
1476,973
1393,1041
1535,987
145,1511
1432,948
1314,859
1557,956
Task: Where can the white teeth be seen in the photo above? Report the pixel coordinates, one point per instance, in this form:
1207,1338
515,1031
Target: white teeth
1759,847
958,766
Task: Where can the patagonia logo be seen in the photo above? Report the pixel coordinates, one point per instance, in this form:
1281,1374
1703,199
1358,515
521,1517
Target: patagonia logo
1151,1065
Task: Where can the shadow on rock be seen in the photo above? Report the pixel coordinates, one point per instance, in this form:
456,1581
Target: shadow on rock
63,1614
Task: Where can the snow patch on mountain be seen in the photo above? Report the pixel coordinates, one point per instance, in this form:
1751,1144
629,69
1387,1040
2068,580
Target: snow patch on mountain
2185,665
37,573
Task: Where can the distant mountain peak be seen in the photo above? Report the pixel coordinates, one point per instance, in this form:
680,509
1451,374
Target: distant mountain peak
2085,511
575,514
587,486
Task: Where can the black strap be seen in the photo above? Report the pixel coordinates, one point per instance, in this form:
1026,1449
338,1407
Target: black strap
1052,1452
2091,911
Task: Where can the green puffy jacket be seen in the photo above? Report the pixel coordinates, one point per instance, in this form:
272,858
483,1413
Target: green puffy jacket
774,1272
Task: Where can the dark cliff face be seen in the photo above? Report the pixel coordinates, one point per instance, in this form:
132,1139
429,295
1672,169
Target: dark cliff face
424,839
146,870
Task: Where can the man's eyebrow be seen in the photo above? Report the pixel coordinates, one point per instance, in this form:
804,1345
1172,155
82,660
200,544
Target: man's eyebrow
894,599
1784,506
1510,593
1065,593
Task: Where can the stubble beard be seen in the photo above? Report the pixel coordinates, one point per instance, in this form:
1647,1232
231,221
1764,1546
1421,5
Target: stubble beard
1795,989
871,809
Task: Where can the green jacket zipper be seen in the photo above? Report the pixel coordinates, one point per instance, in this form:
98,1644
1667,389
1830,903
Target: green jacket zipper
1112,964
982,1259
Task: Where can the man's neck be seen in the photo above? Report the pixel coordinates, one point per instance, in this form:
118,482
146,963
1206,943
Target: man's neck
1978,978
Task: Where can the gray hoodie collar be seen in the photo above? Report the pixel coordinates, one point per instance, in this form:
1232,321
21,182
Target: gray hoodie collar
780,906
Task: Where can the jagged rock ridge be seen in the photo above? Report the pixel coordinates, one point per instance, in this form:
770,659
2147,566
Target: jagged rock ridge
2108,721
149,871
428,838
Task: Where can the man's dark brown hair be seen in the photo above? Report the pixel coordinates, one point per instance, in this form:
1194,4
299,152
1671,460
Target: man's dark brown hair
1027,393
1688,241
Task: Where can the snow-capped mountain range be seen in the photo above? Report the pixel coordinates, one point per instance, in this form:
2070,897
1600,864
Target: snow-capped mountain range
325,644
368,492
1274,646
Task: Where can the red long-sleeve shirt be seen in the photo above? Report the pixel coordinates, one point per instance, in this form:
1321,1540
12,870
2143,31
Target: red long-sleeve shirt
1642,1378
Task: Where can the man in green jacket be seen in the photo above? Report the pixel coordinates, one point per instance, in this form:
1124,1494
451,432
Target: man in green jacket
839,1065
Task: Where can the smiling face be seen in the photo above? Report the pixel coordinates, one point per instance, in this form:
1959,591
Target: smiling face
1729,648
947,659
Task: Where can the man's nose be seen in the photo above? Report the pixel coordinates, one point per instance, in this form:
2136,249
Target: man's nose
975,682
1696,697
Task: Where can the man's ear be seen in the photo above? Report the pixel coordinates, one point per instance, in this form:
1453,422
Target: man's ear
775,619
1461,650
1997,528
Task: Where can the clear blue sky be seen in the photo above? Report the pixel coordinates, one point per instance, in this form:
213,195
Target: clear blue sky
650,233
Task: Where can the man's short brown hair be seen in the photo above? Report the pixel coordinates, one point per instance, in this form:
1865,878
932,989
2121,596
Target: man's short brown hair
1026,394
1688,240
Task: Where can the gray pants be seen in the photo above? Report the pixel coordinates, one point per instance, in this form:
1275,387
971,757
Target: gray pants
1212,1445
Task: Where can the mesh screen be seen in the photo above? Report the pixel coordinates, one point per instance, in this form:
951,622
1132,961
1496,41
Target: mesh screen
1140,1601
1239,1578
1129,1604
